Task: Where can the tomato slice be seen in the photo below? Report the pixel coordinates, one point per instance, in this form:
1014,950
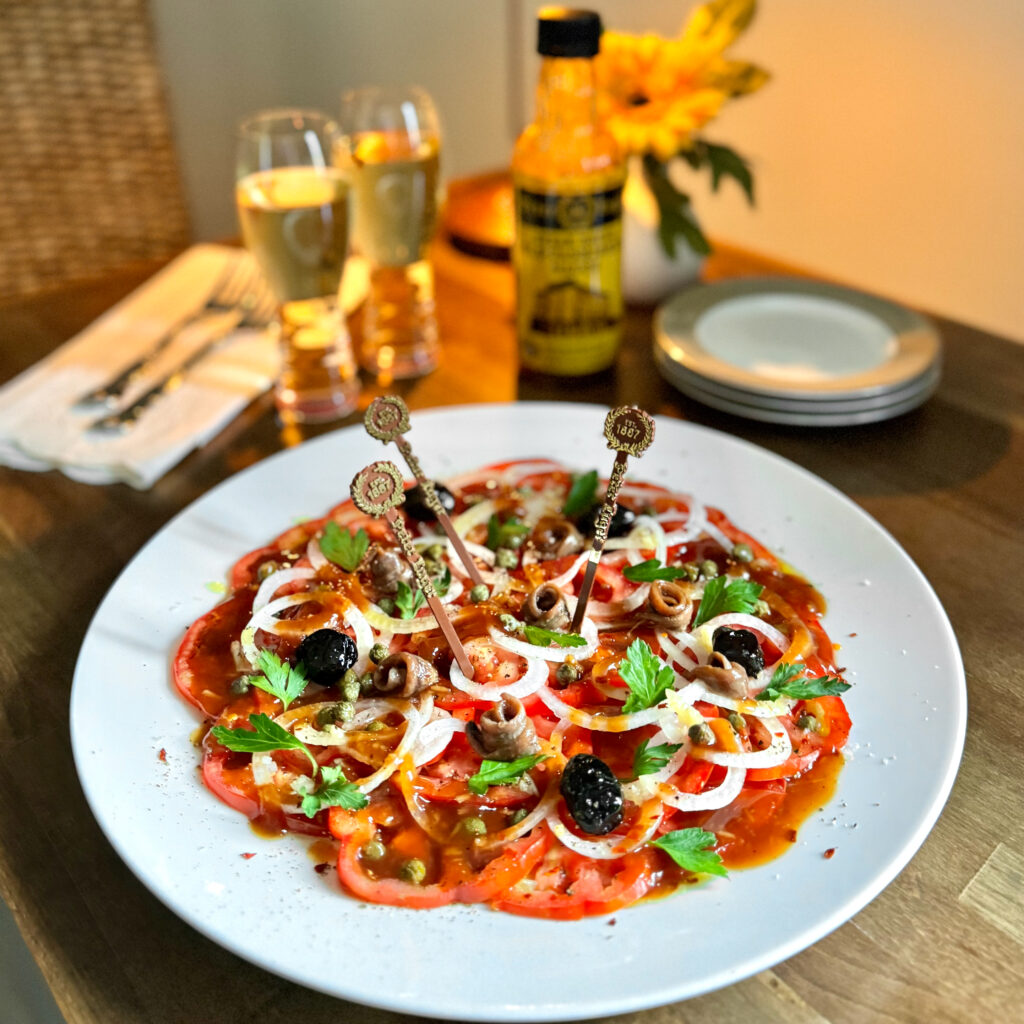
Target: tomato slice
570,887
203,666
458,882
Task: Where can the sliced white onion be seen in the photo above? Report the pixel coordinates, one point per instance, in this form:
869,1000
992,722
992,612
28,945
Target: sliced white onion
616,609
316,557
534,818
534,651
532,679
711,799
475,515
388,623
434,737
455,589
602,849
599,723
511,475
485,554
675,644
265,619
742,621
414,717
562,580
755,708
773,755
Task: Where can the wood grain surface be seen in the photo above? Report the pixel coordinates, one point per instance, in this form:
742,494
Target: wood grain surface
943,943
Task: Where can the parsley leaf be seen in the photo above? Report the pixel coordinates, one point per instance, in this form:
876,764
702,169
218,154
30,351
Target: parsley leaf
408,601
279,679
334,791
581,494
342,547
646,676
443,582
265,735
691,849
647,760
543,637
651,570
723,594
786,682
498,532
493,773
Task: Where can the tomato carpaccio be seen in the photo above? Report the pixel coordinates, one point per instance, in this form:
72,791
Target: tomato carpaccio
689,726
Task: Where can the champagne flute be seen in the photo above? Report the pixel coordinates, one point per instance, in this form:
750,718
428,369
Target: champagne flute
293,209
389,153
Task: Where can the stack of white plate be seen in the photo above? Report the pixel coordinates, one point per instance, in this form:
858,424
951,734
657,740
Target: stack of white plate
797,352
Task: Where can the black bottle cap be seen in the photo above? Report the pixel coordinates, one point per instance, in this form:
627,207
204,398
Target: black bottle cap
568,32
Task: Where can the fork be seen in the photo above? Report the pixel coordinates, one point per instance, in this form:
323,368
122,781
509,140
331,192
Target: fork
238,279
258,310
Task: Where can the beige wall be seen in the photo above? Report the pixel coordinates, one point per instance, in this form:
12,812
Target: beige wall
889,148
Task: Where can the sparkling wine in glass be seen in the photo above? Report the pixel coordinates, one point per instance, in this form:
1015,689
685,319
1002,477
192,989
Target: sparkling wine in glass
389,153
293,209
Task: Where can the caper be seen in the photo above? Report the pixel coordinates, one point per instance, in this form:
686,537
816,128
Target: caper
474,826
413,871
742,552
342,711
510,623
378,652
374,849
517,815
808,723
373,727
366,682
506,558
738,722
708,569
567,673
701,734
692,571
240,686
762,609
350,689
266,569
435,552
479,593
514,541
387,605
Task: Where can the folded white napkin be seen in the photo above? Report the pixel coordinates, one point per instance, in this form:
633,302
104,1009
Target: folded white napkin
40,429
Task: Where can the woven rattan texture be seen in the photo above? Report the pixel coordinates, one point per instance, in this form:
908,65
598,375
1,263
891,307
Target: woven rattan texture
87,165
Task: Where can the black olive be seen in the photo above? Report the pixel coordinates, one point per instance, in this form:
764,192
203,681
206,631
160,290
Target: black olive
622,521
416,505
327,655
740,646
592,794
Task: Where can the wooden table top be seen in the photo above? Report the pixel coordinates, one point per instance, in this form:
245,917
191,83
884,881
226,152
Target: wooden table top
944,942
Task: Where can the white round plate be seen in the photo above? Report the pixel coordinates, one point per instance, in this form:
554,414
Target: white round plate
795,339
799,413
908,705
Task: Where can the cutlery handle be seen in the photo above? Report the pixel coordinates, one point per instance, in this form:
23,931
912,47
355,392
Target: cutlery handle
109,393
130,414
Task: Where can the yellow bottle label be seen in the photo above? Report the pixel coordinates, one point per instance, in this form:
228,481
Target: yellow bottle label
568,260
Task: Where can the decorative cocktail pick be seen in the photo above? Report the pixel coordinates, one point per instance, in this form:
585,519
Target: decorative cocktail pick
387,419
377,491
629,431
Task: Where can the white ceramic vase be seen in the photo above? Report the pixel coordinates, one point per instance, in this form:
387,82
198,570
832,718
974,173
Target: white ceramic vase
649,274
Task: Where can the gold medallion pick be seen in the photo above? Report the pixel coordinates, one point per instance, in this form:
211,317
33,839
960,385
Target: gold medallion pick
628,431
377,491
387,419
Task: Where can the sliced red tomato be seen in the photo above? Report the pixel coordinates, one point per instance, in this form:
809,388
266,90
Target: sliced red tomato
572,886
204,666
458,883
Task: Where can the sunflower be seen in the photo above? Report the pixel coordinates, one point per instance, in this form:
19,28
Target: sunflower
656,94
